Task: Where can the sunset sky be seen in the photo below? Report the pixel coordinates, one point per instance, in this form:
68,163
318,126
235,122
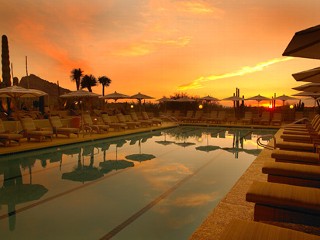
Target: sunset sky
161,47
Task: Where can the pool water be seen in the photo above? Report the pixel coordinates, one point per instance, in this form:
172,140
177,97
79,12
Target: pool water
153,185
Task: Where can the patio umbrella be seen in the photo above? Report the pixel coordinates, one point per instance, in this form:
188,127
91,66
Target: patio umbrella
305,43
165,99
139,96
284,98
115,96
80,95
308,87
209,99
185,99
233,98
15,92
311,75
140,156
258,98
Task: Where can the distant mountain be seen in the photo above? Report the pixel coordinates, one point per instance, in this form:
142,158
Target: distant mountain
36,82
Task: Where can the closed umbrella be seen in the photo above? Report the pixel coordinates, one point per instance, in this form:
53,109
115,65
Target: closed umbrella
311,75
305,43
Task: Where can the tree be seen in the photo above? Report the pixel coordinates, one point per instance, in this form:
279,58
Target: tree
88,81
76,75
105,82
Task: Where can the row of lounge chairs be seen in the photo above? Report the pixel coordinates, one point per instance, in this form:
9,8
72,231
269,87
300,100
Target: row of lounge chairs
266,118
98,125
292,192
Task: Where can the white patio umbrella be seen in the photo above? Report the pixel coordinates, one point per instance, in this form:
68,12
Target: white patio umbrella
15,92
305,43
311,75
80,95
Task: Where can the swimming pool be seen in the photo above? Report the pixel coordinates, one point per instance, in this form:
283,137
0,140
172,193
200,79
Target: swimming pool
154,185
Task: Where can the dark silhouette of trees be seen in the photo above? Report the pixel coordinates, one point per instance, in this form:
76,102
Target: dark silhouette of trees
76,75
105,82
88,81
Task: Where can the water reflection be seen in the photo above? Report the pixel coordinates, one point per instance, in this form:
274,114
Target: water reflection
140,156
83,173
14,191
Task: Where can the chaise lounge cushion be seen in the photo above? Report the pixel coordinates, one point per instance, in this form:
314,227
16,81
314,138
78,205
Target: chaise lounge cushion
295,156
302,171
295,198
305,147
245,230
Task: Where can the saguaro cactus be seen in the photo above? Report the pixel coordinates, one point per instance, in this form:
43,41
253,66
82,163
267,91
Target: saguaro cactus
6,76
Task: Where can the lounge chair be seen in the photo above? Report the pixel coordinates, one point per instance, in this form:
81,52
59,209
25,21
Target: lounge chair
130,124
276,119
155,121
112,121
295,146
281,155
265,118
197,116
6,137
31,131
248,117
250,230
212,117
187,117
285,203
146,123
293,174
222,117
58,127
99,128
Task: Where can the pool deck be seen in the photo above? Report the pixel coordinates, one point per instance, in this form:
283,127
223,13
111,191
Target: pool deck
232,206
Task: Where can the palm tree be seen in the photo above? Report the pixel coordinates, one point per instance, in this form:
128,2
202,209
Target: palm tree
76,75
105,82
88,81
